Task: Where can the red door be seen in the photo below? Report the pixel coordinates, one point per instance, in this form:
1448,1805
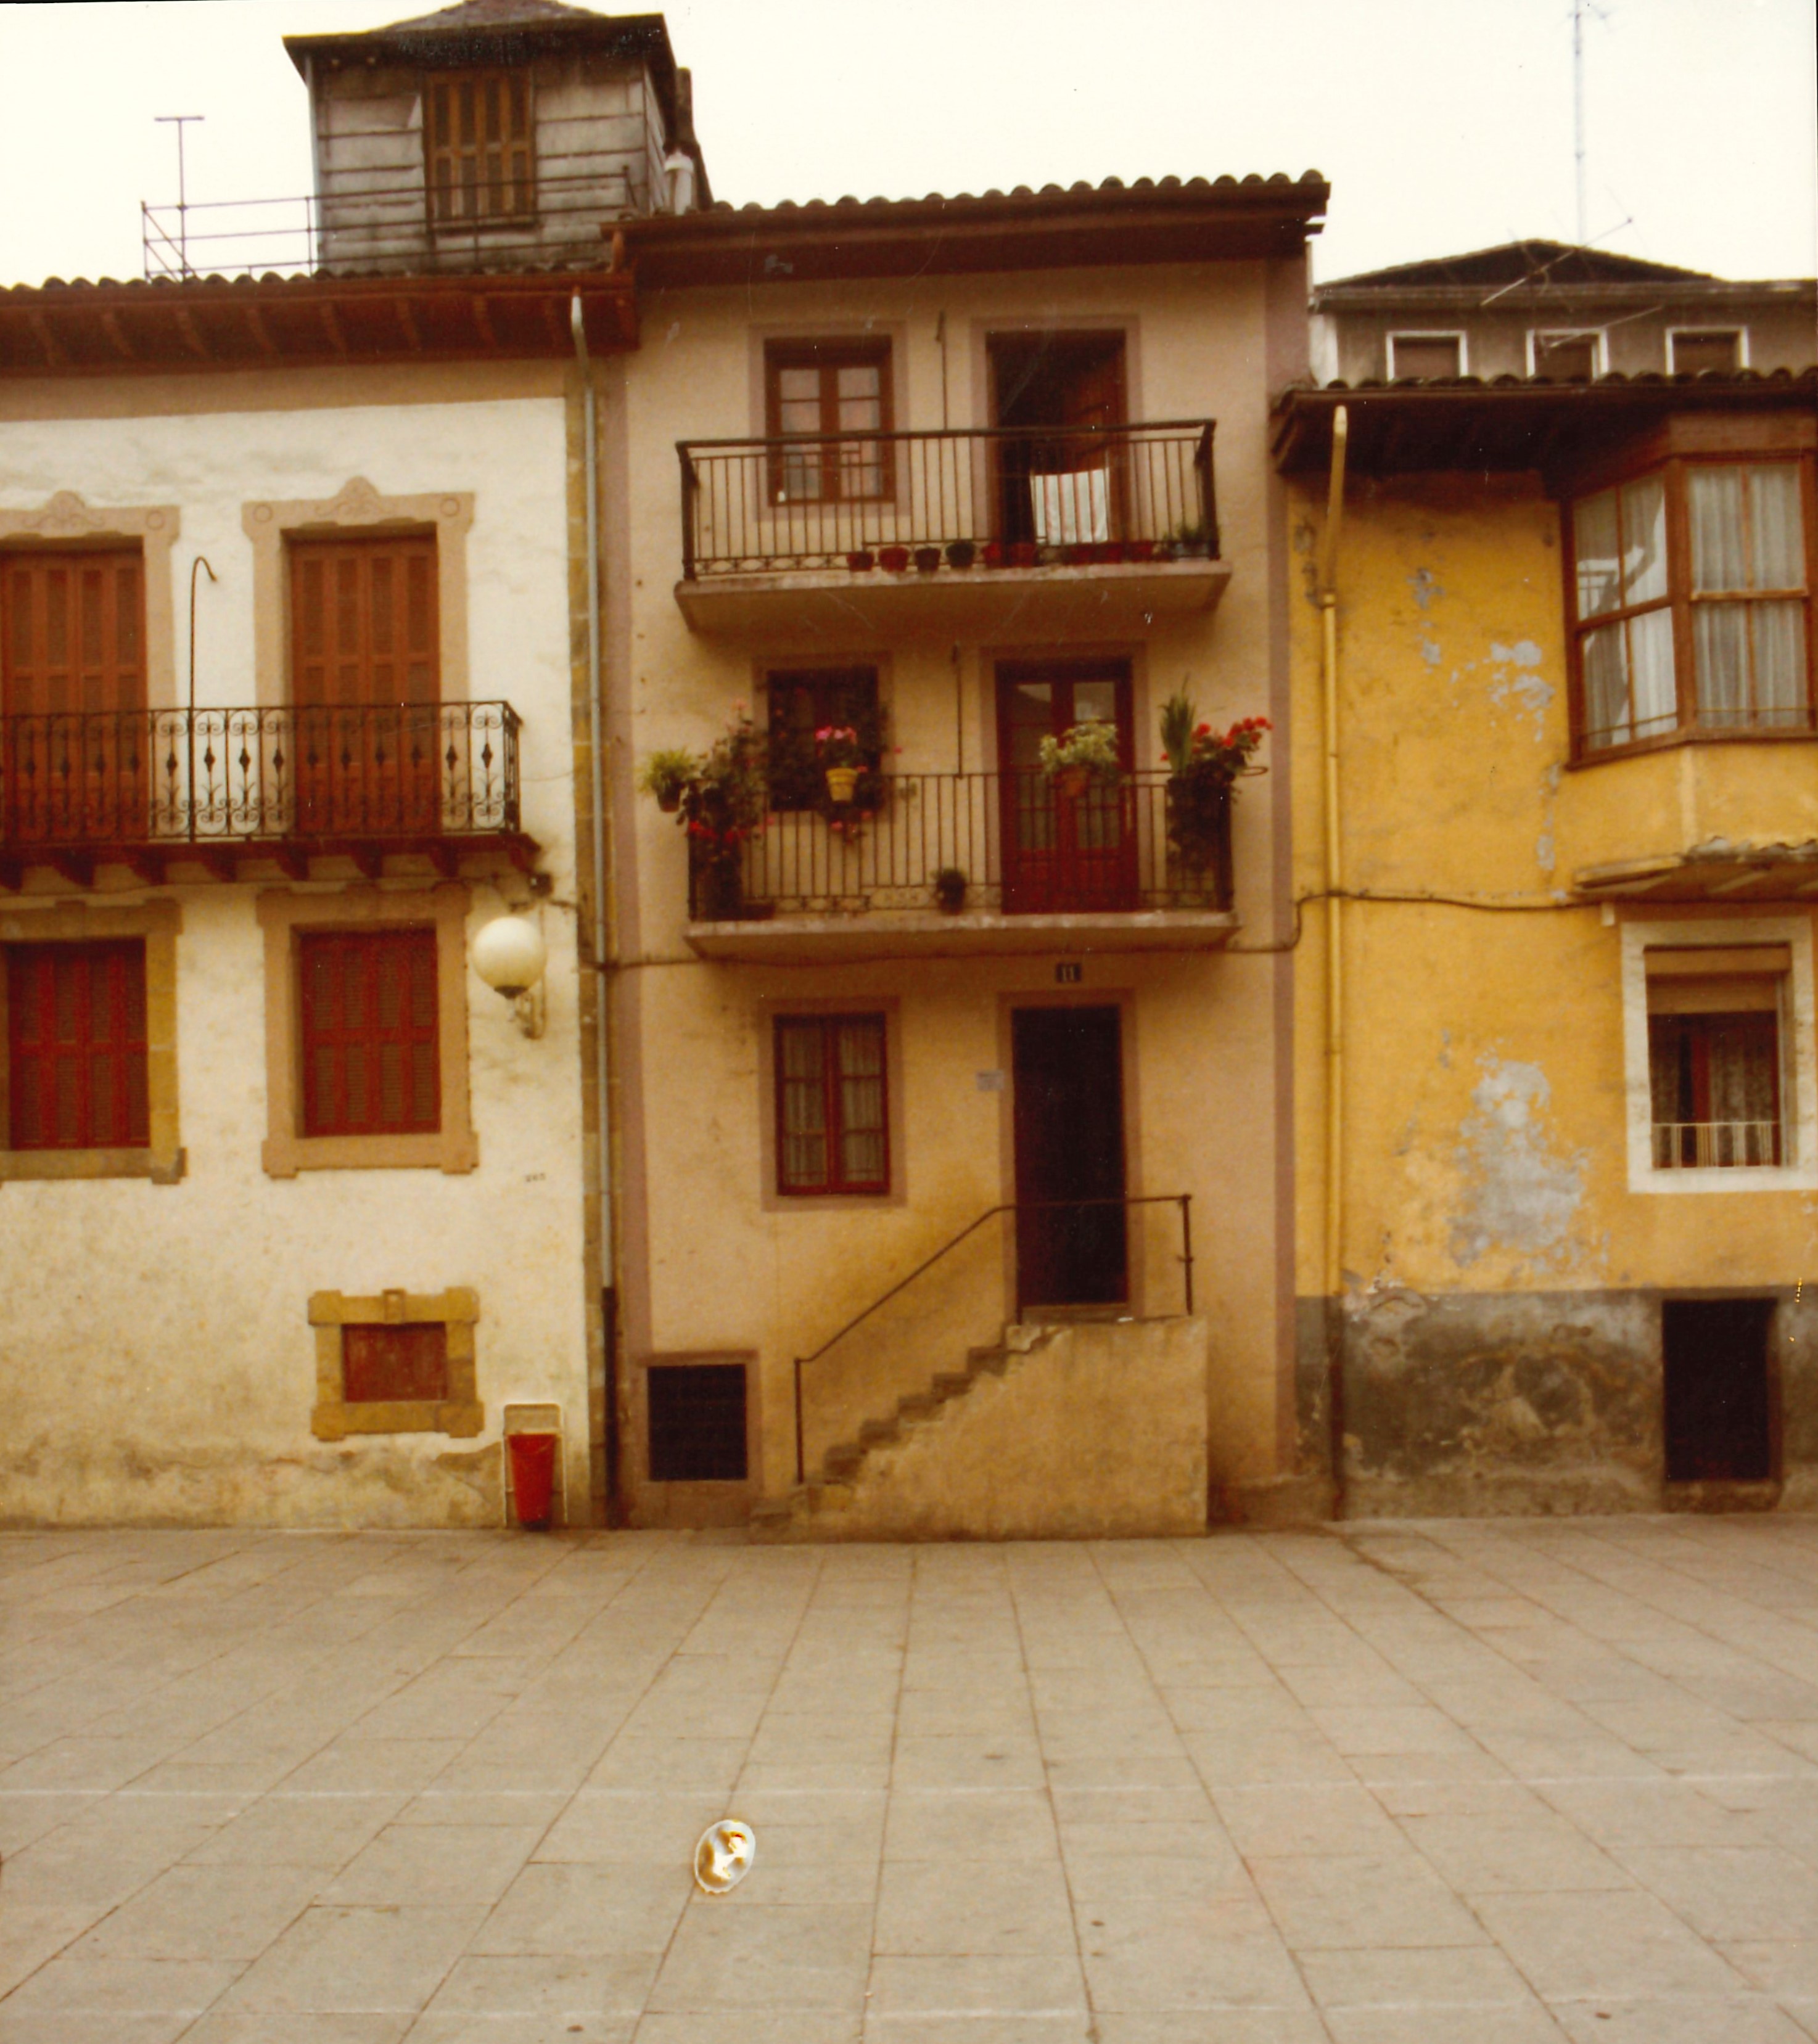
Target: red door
366,685
75,755
1063,852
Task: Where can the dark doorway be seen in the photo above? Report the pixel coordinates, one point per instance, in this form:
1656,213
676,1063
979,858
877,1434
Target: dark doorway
1717,1406
1065,852
1069,1130
1061,389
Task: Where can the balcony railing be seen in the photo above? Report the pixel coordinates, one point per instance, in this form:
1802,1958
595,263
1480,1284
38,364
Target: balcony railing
949,502
160,779
1025,847
1694,1145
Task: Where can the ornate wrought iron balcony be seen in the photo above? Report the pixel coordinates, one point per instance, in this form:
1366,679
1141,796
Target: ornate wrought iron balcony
144,788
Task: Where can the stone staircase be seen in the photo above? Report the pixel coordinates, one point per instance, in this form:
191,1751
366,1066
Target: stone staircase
1076,1429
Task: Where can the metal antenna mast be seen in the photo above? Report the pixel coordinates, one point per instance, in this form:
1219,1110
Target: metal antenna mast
178,120
1578,108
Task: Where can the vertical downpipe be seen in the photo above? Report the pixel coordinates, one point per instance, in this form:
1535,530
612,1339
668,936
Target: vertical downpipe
1334,1276
608,1262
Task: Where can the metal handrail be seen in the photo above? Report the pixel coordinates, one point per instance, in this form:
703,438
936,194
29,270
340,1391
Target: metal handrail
1183,1200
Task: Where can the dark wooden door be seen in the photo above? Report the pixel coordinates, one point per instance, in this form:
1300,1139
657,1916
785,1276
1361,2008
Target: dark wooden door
1068,1118
1064,851
366,685
1718,1410
75,753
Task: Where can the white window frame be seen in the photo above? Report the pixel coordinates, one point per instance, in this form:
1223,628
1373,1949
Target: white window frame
1699,333
1597,336
1798,1054
1432,333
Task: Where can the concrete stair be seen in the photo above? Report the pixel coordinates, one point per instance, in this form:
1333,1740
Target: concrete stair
823,1507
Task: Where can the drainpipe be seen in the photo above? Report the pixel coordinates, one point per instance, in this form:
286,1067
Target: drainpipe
597,767
1335,960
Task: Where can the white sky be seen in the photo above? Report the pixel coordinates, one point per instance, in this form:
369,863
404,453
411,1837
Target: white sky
1443,125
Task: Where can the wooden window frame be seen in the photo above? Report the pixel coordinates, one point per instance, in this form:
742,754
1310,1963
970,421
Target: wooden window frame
1673,468
160,1159
287,1149
461,1414
1674,334
829,356
1427,333
515,181
776,678
1539,337
833,1187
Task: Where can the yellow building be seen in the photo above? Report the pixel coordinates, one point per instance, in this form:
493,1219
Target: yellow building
1556,832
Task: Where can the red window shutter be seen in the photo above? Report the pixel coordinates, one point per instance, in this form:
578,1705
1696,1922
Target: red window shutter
72,633
832,1117
381,1363
364,622
77,1046
370,1055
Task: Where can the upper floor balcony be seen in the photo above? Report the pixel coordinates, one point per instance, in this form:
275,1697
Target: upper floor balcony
1002,532
948,864
178,792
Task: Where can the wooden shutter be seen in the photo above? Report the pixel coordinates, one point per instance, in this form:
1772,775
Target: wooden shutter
479,141
364,622
370,1054
72,633
381,1363
76,1031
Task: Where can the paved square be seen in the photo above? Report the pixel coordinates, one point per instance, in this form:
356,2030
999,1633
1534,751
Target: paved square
1504,1782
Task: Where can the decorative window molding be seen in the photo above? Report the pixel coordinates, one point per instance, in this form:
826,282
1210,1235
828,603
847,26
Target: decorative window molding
358,508
68,521
460,1412
283,916
157,923
770,1012
1777,938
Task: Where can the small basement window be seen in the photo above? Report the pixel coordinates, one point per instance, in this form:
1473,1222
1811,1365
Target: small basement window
696,1423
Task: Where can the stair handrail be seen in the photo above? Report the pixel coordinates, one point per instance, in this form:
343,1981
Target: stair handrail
1183,1200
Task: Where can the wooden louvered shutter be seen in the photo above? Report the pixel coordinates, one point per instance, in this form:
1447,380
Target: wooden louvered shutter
74,633
371,1056
77,1046
364,622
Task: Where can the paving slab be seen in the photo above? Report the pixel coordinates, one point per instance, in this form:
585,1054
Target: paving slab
1527,1782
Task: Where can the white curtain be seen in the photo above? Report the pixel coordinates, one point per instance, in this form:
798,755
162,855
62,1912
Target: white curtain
1748,534
1071,509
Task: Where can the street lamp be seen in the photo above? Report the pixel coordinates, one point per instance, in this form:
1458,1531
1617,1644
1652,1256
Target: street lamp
509,954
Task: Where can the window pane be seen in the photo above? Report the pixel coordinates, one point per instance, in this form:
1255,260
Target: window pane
1721,633
1777,529
1437,356
1594,542
1651,659
1644,540
1779,631
1715,496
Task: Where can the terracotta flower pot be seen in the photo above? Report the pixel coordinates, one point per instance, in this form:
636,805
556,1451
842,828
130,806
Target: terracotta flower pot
1022,554
895,559
927,559
961,554
994,554
1073,781
861,561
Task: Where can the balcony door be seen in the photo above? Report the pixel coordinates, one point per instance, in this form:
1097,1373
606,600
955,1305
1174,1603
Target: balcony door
366,686
1058,486
75,755
1068,1120
1064,851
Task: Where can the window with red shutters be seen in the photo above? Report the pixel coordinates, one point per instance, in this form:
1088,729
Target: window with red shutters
369,1032
76,1046
832,1132
363,621
72,633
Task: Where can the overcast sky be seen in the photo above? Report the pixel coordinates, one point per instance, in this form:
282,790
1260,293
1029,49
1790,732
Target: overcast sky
1443,125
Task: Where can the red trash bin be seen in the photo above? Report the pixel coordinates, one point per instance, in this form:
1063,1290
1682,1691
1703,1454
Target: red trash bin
532,1478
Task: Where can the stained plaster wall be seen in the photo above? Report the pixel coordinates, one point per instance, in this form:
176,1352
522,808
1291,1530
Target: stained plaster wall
156,1363
709,1264
1500,1323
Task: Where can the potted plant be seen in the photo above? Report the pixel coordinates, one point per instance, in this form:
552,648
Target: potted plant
895,559
1204,766
861,560
961,553
927,559
1085,753
950,885
1188,541
993,554
841,759
722,808
1022,553
666,774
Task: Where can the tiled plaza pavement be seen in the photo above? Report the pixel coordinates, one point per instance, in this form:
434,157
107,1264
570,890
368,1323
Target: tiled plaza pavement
1490,1783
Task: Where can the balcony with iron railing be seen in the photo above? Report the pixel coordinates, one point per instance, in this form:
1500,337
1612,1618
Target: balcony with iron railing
1114,526
222,789
949,864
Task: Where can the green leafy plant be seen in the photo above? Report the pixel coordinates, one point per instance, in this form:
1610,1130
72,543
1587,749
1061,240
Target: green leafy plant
1091,747
666,774
950,885
728,798
1205,766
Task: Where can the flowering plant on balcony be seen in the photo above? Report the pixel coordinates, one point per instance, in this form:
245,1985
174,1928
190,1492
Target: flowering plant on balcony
839,745
1086,752
724,805
1205,765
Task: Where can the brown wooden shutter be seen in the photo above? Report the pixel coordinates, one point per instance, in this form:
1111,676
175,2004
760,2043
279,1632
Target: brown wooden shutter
364,622
77,1046
370,1050
72,633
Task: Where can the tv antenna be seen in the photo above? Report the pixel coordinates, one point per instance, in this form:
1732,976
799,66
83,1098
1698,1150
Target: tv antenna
179,121
1580,9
